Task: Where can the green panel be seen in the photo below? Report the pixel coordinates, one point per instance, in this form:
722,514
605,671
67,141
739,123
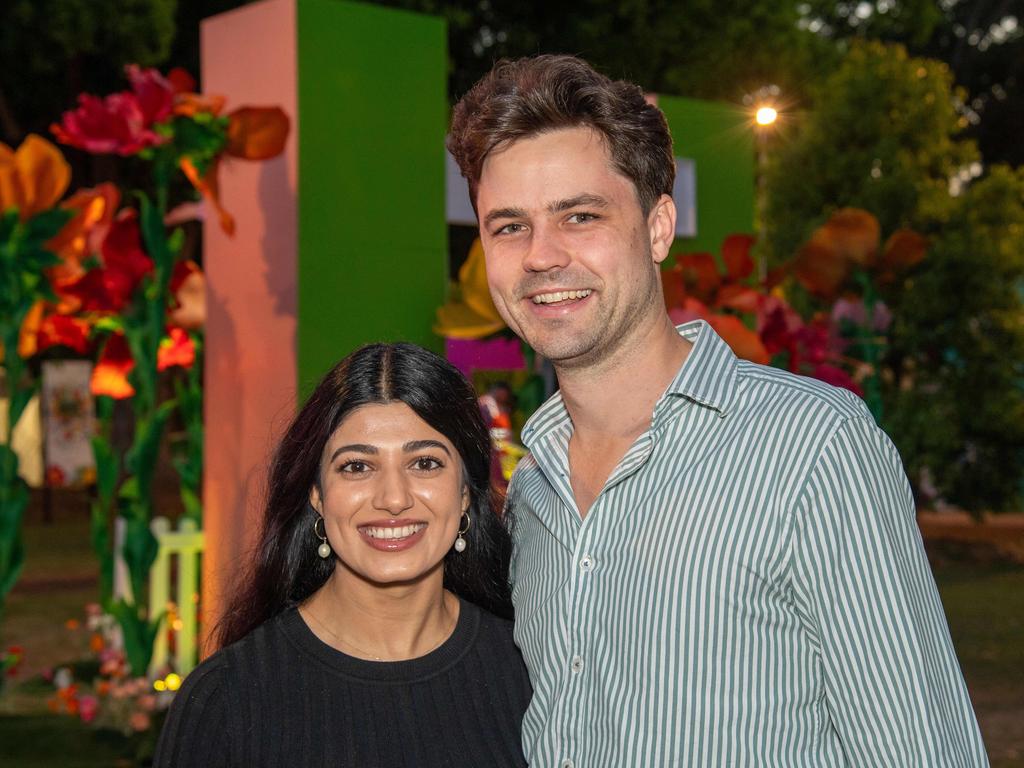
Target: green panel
373,113
720,139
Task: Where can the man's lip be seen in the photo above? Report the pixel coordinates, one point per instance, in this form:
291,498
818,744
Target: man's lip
553,290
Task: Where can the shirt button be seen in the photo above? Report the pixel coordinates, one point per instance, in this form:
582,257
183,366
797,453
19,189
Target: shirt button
587,564
567,763
576,665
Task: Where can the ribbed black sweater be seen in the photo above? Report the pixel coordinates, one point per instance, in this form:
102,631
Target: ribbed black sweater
282,697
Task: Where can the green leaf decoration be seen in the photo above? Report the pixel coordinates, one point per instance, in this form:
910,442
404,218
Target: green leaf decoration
138,633
99,536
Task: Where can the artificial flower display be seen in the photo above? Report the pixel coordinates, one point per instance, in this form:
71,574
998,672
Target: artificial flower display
33,177
470,313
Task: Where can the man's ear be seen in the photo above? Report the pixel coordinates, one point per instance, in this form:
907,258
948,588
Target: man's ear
661,224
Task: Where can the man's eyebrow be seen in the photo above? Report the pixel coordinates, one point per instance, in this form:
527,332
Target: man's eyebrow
504,213
593,201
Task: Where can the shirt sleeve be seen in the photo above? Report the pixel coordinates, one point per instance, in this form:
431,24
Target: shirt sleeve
195,732
863,586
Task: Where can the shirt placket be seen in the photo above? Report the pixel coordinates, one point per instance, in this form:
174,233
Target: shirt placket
578,673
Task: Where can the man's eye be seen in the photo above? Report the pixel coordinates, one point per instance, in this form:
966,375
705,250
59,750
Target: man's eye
509,229
582,218
427,464
354,467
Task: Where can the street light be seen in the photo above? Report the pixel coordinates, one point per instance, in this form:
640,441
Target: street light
766,115
765,118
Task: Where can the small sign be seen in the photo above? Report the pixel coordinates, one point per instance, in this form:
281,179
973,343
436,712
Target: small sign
69,423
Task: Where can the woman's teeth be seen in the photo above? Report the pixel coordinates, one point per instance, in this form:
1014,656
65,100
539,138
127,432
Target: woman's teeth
394,533
551,298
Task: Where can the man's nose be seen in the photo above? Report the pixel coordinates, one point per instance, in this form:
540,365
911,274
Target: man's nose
546,252
392,494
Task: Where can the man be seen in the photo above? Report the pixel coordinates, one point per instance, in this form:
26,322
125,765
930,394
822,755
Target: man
716,563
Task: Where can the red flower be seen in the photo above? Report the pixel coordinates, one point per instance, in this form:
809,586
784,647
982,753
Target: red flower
114,125
109,288
122,122
55,477
63,331
110,376
176,349
153,91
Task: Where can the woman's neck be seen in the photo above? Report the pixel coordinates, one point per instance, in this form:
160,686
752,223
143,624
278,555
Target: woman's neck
381,622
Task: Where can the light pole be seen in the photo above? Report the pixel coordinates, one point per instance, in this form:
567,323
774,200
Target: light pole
764,119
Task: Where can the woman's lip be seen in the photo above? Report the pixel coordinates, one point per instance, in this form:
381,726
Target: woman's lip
392,545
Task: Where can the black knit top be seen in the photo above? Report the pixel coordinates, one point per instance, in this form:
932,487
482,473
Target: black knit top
282,697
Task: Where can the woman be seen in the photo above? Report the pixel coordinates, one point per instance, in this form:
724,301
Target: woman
365,634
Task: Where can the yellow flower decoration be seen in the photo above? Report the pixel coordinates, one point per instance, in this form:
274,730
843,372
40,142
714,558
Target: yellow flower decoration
470,314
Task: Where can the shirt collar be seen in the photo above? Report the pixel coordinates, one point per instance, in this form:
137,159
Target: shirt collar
708,377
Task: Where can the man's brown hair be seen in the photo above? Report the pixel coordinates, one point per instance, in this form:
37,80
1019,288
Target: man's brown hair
525,97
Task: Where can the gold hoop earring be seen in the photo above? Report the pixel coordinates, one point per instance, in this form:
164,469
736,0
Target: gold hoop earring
324,550
460,543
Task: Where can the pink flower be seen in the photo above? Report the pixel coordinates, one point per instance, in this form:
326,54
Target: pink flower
139,721
122,122
114,125
88,706
855,312
147,702
154,93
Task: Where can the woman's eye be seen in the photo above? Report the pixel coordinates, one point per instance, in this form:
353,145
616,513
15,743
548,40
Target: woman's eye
427,464
353,467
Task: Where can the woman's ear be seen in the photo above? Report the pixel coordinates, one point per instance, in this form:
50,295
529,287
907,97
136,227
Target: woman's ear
465,498
314,500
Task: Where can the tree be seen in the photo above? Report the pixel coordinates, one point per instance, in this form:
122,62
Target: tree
50,50
958,403
885,135
982,41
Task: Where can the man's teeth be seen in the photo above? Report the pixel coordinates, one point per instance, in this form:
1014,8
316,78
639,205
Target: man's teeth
551,298
394,533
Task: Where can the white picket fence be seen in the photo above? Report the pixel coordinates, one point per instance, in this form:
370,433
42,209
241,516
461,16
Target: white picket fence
177,602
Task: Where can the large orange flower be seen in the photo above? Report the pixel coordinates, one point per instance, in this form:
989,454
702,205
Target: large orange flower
33,178
83,235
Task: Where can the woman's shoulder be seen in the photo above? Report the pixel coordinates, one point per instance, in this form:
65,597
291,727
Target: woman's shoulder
493,636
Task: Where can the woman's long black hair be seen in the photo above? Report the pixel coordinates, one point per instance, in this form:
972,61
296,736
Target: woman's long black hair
287,569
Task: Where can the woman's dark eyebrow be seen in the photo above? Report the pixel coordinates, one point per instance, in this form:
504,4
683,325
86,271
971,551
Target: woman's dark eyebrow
419,445
355,448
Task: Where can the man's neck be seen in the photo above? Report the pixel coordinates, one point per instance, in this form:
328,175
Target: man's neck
613,400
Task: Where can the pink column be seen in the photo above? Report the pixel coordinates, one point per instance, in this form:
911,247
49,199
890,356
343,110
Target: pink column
249,55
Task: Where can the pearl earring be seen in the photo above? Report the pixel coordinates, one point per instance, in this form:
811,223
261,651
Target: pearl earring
460,543
324,550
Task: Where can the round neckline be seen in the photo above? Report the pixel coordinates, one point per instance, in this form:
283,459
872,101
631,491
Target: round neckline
405,671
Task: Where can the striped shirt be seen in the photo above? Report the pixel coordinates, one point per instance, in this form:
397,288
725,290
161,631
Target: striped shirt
748,589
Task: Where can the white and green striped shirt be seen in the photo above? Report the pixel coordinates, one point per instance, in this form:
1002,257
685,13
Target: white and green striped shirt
748,589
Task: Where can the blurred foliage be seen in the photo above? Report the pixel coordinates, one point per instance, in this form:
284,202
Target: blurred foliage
956,404
982,41
883,136
63,47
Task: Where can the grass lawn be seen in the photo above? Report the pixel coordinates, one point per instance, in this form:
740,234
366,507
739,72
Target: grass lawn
985,609
984,604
